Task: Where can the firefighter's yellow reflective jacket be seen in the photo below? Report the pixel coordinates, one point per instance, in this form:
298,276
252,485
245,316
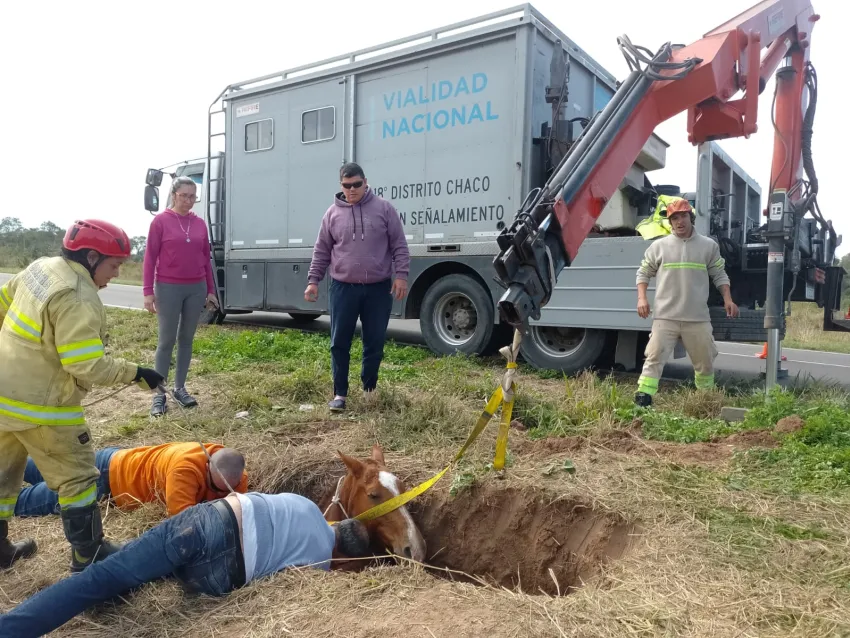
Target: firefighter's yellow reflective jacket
657,225
52,345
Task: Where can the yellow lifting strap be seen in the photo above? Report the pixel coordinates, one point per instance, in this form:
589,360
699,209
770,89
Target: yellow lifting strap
504,396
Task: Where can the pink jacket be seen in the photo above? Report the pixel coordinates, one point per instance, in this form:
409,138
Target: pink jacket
170,259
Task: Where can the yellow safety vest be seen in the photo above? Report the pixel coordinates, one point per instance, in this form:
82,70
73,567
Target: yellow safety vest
52,345
657,225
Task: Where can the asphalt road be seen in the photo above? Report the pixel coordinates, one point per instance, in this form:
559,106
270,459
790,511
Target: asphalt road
735,360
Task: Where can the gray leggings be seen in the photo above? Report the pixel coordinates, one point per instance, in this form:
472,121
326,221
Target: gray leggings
178,309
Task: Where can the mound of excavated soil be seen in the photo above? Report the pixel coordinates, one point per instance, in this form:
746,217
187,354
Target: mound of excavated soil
789,424
515,537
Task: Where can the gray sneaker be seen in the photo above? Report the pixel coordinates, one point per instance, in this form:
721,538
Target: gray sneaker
159,406
184,398
337,405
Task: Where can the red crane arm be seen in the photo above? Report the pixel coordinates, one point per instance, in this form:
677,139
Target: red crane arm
731,61
701,78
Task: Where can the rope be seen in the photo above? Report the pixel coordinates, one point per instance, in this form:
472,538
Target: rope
335,500
108,396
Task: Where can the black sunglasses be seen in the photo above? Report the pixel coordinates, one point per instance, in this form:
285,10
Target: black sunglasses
352,185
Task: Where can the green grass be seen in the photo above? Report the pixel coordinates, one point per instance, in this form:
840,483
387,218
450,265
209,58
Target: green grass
666,426
232,349
815,459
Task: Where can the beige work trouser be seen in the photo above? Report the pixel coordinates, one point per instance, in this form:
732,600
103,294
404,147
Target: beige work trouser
698,338
64,456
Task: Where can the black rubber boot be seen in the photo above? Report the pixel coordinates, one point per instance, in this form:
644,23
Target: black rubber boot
643,399
84,530
9,551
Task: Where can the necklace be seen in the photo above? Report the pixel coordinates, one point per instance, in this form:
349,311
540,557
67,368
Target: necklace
185,230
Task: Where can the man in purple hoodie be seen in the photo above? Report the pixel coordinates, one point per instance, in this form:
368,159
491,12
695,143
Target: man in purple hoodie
362,241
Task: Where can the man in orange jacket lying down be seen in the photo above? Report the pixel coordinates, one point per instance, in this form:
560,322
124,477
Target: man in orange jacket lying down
178,474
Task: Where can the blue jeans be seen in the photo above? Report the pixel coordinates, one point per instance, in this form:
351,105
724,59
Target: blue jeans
372,304
200,546
39,500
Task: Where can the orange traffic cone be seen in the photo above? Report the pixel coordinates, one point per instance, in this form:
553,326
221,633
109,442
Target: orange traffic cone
847,316
763,354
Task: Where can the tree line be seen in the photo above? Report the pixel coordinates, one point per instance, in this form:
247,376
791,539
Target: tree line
20,246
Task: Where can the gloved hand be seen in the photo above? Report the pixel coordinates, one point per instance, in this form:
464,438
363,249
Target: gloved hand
147,378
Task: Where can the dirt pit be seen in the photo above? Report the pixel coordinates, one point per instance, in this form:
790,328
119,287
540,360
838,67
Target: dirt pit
519,538
512,537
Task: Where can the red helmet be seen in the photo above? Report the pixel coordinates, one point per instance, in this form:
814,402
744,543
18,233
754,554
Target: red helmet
95,234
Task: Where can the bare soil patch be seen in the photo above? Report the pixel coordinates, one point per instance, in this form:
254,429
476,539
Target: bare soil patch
520,539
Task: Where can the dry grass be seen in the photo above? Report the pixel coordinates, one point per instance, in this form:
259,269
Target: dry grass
710,558
805,330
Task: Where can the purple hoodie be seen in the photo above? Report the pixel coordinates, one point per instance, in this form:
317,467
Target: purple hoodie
361,243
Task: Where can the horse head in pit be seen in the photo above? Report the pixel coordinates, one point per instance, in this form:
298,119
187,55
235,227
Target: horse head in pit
368,483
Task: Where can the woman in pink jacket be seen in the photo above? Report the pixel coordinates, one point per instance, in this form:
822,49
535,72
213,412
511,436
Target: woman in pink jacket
178,282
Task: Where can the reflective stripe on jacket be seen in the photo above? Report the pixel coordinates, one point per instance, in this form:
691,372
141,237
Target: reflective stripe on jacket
52,345
683,268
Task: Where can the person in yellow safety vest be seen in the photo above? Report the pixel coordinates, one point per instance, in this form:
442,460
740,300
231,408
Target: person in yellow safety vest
658,225
52,344
683,263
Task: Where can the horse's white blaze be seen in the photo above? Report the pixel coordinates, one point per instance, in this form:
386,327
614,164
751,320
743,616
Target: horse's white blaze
417,543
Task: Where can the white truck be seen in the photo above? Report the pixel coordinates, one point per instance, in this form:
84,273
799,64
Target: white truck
455,127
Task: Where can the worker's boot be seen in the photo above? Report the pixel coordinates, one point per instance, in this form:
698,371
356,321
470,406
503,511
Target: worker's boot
9,551
643,400
84,530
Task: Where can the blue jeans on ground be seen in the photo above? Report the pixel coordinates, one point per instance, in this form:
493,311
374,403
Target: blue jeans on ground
200,546
39,500
372,304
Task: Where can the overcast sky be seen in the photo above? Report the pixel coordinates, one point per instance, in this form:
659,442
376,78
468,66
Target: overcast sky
94,93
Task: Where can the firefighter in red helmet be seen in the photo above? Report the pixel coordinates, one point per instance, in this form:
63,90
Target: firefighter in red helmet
52,348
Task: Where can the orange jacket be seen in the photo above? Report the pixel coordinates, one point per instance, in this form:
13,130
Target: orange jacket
175,473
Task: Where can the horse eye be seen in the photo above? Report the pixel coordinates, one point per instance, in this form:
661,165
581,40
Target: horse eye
373,495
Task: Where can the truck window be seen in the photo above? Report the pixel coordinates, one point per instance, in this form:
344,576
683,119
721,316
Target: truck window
318,125
199,180
259,135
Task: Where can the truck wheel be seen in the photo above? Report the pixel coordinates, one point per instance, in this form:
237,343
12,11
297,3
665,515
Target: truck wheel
457,316
570,350
211,317
305,317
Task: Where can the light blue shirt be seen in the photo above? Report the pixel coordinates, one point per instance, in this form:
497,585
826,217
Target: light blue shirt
283,530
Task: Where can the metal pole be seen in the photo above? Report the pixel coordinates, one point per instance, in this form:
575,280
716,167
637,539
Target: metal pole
775,275
781,212
772,361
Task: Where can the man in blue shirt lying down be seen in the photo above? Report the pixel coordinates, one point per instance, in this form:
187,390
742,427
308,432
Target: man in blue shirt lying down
211,548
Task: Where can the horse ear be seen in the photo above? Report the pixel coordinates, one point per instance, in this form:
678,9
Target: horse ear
355,466
378,454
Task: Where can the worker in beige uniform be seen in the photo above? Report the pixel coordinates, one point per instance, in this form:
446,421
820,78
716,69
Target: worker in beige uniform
683,262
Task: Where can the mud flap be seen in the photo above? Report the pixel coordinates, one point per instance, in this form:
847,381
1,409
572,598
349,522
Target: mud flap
832,301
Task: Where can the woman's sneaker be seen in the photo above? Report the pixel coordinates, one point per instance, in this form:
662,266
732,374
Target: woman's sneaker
159,407
184,398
